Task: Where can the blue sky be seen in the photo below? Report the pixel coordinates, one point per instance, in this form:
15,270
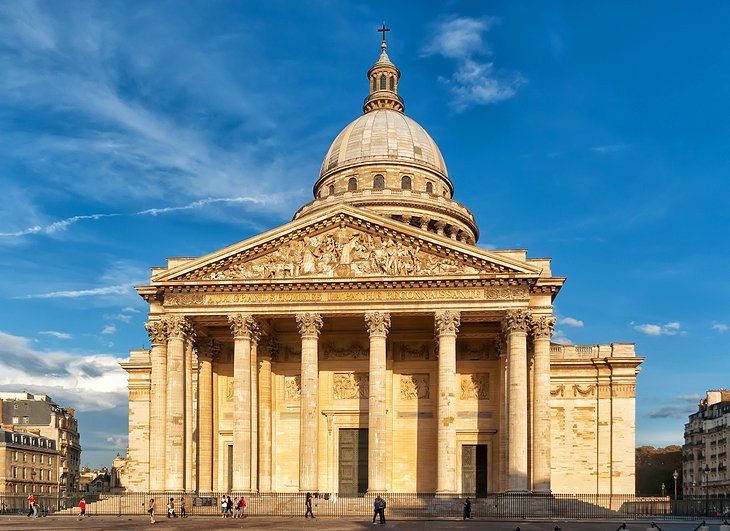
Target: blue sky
592,133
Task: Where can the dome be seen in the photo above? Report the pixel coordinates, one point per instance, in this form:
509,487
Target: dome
383,136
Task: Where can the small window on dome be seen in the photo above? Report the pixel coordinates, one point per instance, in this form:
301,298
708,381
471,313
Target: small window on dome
429,187
405,182
378,182
332,189
392,84
375,84
382,82
352,184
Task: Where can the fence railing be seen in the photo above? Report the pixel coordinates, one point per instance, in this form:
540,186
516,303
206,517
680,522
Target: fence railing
399,505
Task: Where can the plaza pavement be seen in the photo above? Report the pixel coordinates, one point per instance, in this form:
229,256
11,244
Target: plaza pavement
111,523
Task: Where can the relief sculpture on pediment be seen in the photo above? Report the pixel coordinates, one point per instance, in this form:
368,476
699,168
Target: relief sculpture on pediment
344,252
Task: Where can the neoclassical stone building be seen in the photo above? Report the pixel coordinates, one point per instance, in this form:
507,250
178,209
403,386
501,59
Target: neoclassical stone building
370,345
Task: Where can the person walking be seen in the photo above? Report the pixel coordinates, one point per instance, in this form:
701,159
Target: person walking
379,510
308,505
31,502
224,506
229,507
183,514
467,509
82,506
151,507
171,509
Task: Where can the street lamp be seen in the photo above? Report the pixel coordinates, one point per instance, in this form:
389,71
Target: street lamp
707,489
664,490
675,476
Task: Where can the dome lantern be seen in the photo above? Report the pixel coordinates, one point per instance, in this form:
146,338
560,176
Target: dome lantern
383,81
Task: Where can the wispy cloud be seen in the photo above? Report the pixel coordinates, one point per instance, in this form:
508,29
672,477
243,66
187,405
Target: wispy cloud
57,335
570,321
109,329
720,327
560,338
474,81
119,289
671,412
609,148
667,329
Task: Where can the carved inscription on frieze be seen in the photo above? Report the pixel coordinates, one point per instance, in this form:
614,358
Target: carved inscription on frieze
475,386
491,293
414,386
349,386
292,388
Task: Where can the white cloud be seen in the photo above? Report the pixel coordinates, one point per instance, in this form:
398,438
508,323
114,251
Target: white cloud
57,335
668,329
109,329
570,321
720,327
129,309
609,148
474,81
560,338
86,382
119,289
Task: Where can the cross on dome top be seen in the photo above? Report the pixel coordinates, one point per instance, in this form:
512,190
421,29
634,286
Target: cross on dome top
383,77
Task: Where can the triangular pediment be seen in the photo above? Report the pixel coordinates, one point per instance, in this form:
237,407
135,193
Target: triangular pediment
344,242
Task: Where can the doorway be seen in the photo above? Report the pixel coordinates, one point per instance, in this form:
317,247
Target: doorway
353,460
474,469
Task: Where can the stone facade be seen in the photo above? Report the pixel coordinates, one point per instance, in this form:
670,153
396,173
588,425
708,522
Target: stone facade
369,344
706,445
28,462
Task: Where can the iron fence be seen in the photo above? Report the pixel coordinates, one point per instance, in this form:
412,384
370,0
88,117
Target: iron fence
399,505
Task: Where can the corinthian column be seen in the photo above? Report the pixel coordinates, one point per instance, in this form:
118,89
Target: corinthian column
177,328
158,403
310,325
515,325
189,465
265,418
378,324
205,415
242,326
255,410
542,330
447,326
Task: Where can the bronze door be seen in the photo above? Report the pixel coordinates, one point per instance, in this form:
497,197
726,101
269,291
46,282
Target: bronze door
474,469
353,458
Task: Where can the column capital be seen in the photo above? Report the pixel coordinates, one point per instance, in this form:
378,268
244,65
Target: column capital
310,324
542,326
207,348
244,325
269,348
516,322
177,326
378,323
447,322
157,330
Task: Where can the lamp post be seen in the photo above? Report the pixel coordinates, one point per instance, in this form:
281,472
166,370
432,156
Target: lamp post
675,476
707,489
664,490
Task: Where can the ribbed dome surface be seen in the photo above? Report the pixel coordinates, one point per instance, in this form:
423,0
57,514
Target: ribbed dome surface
383,135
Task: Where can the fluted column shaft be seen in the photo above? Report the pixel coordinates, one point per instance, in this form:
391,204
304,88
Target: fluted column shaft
447,326
254,414
265,422
242,326
516,323
542,330
310,325
158,404
378,324
189,465
205,419
175,460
